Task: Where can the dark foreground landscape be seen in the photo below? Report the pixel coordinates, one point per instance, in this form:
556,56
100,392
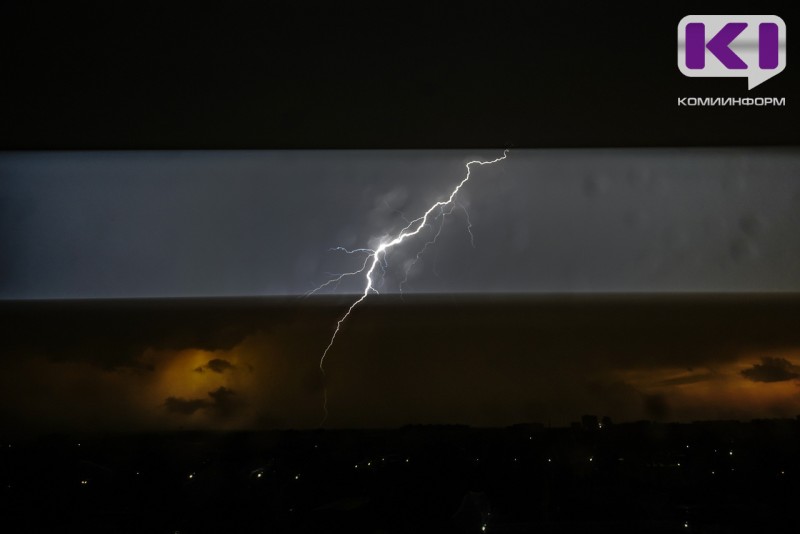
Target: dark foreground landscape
446,414
638,477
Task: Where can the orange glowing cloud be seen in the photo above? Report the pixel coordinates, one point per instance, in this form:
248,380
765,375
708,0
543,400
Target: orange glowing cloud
730,390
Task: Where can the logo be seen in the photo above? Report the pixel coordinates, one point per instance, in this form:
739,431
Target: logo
732,46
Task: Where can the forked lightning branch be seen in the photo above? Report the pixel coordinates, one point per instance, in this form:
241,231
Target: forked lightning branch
377,258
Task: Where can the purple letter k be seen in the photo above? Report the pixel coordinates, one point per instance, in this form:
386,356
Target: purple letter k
718,45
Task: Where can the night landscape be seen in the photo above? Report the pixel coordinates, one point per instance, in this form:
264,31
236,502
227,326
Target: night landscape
499,441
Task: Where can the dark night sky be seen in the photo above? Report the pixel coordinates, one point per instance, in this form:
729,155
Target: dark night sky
153,75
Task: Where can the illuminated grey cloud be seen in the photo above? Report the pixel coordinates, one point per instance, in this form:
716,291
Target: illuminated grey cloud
189,224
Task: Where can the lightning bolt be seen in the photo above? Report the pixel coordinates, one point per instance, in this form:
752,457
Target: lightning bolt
376,258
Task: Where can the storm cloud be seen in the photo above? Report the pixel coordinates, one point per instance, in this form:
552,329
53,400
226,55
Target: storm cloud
772,370
217,365
246,223
223,403
185,407
479,360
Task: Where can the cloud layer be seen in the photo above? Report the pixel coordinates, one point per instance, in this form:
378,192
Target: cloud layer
481,361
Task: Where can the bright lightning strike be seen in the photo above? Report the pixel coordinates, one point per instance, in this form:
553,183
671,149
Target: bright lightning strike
377,257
